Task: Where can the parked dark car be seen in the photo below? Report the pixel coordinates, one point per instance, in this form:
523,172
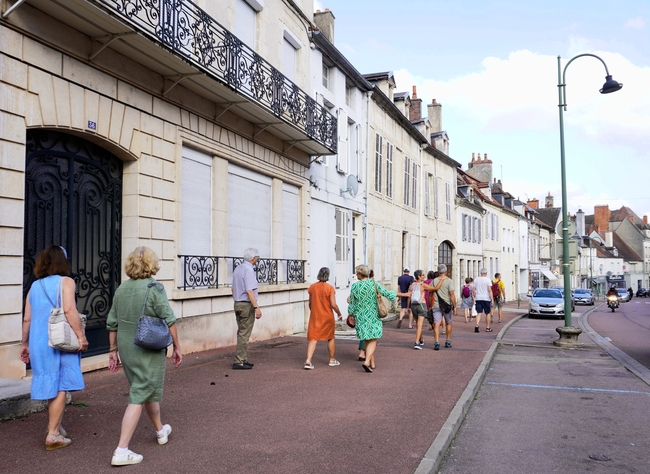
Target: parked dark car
583,296
642,292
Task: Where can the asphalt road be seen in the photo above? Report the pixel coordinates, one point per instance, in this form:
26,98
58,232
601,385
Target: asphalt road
628,328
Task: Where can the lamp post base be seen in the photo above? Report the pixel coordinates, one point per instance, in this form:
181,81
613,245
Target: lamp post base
568,337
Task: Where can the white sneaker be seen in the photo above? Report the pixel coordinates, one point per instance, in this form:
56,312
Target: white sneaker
125,459
164,437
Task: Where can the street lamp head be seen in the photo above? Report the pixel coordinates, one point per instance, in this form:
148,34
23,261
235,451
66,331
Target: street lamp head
610,85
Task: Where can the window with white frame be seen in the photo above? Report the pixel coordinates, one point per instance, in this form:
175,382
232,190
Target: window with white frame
353,147
378,161
435,197
342,149
414,190
249,226
290,46
389,169
349,91
196,203
246,21
326,76
427,194
407,180
447,201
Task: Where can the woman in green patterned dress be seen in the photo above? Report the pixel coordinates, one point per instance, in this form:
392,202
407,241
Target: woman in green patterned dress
144,369
363,305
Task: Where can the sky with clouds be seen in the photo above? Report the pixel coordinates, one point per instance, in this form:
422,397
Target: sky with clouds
493,67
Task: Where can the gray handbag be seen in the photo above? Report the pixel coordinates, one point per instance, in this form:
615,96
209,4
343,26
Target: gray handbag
60,335
152,332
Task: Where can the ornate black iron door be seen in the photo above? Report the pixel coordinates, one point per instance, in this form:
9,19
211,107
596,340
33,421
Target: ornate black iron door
73,198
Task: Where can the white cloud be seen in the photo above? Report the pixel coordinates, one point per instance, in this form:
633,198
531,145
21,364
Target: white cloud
318,5
636,23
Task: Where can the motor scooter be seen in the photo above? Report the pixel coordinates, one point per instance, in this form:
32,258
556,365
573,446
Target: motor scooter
612,303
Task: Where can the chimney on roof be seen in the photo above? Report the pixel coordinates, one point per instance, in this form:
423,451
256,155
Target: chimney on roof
480,170
580,222
415,111
645,220
601,218
549,201
533,203
434,112
609,239
325,23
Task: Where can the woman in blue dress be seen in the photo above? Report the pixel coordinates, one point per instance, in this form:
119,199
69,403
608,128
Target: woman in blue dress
53,372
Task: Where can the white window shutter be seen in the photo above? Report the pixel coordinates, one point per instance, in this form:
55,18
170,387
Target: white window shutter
464,230
388,244
342,161
290,221
378,253
196,203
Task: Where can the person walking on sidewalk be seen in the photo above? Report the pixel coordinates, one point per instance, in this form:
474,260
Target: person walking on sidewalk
443,307
467,300
404,283
54,372
322,301
247,310
499,294
144,368
418,307
363,305
483,296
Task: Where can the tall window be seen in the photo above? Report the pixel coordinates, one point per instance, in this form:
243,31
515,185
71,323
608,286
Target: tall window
379,142
289,63
196,203
389,170
435,197
407,180
447,201
326,76
427,194
378,256
414,191
388,249
463,223
245,22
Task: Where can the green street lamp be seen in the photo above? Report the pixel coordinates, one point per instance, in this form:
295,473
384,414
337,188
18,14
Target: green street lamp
568,333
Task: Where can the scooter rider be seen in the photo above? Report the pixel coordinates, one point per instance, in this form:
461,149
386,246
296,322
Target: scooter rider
612,292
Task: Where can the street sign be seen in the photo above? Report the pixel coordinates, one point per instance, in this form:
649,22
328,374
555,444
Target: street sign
573,229
573,249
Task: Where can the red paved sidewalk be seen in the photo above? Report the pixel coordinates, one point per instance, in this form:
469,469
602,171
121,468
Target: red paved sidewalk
277,417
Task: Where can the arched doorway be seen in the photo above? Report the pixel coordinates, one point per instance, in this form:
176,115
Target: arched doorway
73,198
445,257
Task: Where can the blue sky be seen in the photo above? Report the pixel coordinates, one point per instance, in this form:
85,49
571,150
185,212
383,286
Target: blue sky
493,67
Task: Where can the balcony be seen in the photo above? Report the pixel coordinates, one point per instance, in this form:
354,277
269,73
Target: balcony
203,272
182,43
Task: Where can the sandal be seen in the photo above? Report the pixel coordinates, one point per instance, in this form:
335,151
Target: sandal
367,368
53,442
488,329
309,365
334,363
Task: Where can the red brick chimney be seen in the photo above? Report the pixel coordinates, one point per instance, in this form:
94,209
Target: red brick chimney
601,217
534,203
645,220
415,111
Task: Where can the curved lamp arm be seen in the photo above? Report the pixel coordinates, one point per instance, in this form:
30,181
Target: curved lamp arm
561,76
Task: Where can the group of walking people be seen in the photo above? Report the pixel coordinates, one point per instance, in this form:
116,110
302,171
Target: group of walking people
55,372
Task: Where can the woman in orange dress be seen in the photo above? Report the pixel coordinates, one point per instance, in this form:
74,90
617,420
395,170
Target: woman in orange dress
321,321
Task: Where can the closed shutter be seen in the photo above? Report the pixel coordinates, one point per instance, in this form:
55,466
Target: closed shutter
378,254
342,150
196,203
464,227
431,251
413,251
290,221
388,248
249,212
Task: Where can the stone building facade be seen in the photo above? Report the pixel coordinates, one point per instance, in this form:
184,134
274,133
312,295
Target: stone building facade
121,129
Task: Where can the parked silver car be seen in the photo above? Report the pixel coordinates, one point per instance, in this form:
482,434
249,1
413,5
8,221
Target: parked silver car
623,295
546,302
583,296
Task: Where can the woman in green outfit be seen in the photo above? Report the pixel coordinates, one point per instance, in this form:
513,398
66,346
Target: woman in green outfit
363,305
144,369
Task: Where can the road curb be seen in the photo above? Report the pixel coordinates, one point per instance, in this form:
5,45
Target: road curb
628,362
432,459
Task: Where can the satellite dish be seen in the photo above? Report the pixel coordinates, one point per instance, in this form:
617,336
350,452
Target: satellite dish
352,186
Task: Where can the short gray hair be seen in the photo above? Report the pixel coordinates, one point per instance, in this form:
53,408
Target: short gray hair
362,270
323,274
483,271
442,268
250,253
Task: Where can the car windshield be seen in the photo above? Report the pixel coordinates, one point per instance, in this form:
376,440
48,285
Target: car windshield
547,294
622,291
581,292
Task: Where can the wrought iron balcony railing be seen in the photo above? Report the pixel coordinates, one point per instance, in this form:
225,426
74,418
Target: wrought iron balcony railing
216,271
188,31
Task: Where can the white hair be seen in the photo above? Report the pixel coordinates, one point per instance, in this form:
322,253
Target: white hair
250,254
483,271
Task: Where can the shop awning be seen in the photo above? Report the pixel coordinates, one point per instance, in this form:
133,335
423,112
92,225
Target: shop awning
549,275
